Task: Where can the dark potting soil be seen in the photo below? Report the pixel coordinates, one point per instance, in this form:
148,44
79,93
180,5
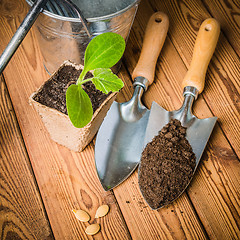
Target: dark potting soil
167,165
53,94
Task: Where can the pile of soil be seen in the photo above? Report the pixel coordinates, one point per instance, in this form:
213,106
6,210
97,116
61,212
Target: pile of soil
167,165
53,93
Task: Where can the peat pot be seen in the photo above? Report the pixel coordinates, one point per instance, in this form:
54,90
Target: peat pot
58,123
64,38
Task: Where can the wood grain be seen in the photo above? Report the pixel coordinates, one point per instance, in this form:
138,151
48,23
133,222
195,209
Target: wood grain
154,38
167,92
201,191
66,180
222,82
22,214
144,223
228,15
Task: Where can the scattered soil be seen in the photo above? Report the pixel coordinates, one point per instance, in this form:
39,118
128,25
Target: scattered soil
167,165
53,94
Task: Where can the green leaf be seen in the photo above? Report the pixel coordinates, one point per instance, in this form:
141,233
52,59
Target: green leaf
79,106
105,81
104,51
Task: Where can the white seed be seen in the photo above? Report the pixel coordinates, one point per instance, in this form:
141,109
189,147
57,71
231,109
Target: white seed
81,215
92,229
102,211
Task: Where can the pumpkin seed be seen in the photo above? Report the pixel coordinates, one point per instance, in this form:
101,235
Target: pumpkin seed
102,211
92,229
81,215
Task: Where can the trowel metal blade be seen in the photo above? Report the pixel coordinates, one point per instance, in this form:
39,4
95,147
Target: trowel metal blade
198,130
118,147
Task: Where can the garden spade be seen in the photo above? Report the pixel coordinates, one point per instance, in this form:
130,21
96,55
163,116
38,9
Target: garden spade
198,130
119,141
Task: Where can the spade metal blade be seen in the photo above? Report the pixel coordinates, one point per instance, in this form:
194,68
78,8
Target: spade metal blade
118,146
119,142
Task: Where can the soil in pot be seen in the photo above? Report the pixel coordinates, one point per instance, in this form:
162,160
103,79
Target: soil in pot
167,165
53,94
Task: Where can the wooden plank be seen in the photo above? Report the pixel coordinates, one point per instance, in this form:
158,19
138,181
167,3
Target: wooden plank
207,188
227,13
72,176
184,223
66,179
179,220
222,85
144,223
22,214
215,189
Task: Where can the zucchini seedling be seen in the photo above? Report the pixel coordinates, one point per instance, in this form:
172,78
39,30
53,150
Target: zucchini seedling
103,52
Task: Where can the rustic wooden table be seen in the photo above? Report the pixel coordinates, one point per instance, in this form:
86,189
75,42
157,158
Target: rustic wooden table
41,182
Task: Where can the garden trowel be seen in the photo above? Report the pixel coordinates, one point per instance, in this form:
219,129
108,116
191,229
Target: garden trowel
198,130
119,141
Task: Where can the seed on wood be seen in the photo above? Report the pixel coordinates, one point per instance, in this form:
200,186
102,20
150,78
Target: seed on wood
102,211
92,229
81,215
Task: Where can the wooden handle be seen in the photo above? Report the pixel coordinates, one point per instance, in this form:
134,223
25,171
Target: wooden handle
154,38
203,50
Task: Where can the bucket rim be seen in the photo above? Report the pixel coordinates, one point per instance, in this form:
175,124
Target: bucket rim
95,19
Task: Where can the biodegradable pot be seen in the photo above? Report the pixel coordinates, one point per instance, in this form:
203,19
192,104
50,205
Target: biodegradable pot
59,125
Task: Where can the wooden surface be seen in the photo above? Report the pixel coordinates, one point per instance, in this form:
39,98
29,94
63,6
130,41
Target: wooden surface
41,182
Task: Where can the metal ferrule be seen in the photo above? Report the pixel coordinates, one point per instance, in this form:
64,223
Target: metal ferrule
185,112
133,110
189,90
141,81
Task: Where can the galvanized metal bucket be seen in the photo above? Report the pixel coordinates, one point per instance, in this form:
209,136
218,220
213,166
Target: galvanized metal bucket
64,38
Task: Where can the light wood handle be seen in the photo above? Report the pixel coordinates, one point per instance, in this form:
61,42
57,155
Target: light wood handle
154,38
203,50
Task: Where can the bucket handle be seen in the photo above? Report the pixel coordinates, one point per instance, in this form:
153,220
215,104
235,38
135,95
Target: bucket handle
80,15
